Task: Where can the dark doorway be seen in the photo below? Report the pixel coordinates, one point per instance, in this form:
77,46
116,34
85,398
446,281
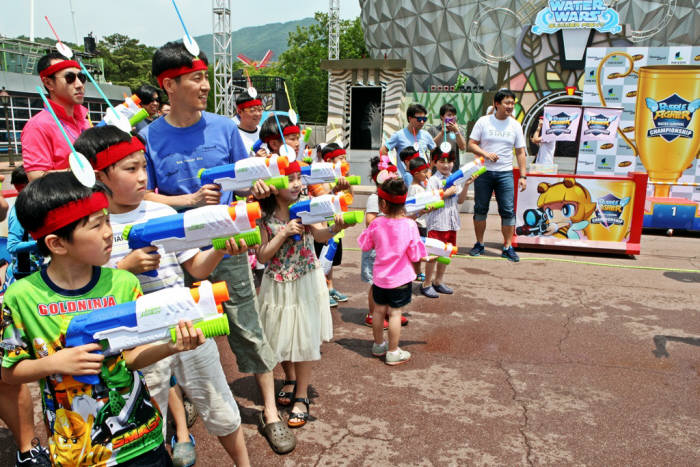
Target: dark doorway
365,117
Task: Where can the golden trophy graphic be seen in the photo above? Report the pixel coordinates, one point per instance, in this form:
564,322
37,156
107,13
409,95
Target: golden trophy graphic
614,204
666,129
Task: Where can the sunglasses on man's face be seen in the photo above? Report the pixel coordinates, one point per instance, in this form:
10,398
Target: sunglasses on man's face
70,77
422,119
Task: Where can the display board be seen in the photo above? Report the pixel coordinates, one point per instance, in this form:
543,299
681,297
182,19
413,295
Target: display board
659,132
677,155
581,212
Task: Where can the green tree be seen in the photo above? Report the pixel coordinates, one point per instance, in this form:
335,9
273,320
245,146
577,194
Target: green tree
300,63
126,61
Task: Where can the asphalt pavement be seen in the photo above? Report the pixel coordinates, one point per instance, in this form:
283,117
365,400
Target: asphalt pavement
565,359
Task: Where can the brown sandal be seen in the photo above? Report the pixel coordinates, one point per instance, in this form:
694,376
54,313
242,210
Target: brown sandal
281,439
299,419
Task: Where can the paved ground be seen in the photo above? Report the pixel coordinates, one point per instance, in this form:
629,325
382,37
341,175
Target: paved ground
543,362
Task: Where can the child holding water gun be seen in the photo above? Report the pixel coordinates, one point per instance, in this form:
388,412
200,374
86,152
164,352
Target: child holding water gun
120,162
420,173
294,310
397,243
381,169
443,223
332,153
112,421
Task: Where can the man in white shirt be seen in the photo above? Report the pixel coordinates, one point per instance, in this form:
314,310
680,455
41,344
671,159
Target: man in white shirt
494,137
249,112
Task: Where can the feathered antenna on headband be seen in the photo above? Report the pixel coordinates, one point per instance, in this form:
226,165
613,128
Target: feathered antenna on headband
384,162
387,170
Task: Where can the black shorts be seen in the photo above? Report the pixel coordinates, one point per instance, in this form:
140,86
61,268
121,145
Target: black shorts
338,253
157,457
395,298
422,231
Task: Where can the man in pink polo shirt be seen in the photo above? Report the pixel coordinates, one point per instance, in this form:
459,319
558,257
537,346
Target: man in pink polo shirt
43,147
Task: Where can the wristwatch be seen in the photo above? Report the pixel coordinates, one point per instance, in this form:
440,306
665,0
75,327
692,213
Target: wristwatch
523,176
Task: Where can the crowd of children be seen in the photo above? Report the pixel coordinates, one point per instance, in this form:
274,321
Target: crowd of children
71,254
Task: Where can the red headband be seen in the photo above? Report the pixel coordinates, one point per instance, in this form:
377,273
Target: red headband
291,130
70,212
415,154
292,168
396,199
197,65
333,154
250,103
444,155
117,152
56,67
418,169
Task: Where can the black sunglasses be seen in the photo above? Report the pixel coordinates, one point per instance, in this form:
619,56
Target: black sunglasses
422,119
70,77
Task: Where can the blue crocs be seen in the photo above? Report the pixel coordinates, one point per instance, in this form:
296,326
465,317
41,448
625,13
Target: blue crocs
184,454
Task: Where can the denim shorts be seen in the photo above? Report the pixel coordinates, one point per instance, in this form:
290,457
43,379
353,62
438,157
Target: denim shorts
502,184
367,265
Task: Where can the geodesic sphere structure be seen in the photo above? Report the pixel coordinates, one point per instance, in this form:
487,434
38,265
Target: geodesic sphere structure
440,38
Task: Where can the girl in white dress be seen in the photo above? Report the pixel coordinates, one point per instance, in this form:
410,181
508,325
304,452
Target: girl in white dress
294,309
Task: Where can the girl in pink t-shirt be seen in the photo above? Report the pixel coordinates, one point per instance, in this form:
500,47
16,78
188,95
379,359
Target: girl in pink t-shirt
395,239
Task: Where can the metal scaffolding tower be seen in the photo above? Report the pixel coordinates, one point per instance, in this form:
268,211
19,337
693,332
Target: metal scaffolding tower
223,58
333,29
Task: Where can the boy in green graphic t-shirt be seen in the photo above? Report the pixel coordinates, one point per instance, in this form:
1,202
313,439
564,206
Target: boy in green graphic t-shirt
113,422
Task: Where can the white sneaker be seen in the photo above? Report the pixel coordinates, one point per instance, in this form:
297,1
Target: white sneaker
379,350
397,357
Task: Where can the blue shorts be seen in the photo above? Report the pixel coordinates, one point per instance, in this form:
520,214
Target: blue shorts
367,266
502,184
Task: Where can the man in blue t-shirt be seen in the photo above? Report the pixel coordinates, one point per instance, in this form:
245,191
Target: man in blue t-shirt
414,135
178,145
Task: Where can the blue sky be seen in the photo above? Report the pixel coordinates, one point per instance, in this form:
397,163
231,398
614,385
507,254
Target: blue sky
153,22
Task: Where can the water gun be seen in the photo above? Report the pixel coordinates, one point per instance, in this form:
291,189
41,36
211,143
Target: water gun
428,199
256,147
308,156
130,108
324,208
303,142
200,227
244,173
442,250
327,172
151,318
328,252
475,167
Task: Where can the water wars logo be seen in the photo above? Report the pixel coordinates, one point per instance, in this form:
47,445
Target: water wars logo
598,124
560,123
576,14
608,211
671,117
